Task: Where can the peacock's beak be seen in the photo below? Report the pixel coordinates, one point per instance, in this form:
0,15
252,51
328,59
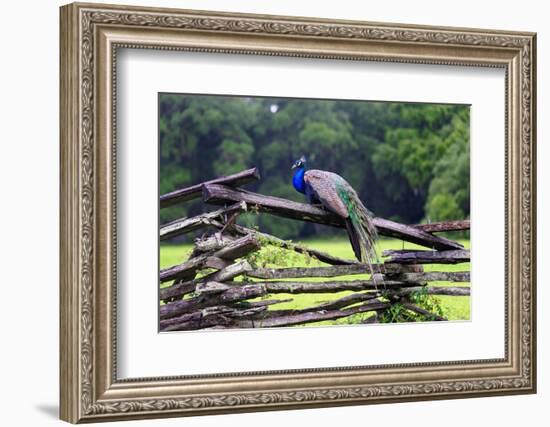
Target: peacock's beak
293,166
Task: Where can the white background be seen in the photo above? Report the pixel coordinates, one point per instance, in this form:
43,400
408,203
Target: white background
29,170
141,347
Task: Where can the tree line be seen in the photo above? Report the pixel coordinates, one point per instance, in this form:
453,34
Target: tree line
408,162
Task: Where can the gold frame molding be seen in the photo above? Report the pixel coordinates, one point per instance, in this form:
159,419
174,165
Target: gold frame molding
90,37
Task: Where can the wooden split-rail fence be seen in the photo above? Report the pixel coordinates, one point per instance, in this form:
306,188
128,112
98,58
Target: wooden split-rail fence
202,293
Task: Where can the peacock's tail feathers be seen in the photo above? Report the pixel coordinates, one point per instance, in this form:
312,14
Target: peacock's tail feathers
336,195
360,226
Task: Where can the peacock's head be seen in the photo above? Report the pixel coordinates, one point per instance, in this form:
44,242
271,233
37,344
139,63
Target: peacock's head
300,163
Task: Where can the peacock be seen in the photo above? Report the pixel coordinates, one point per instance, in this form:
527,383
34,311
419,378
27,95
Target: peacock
335,194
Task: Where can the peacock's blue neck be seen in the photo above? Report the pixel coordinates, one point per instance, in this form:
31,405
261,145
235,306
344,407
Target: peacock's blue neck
298,180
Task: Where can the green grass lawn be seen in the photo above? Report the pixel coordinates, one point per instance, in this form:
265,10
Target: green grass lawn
455,308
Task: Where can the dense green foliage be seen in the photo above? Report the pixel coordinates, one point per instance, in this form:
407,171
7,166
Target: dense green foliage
408,162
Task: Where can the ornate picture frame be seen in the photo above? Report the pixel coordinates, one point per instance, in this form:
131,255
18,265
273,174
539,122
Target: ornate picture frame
90,37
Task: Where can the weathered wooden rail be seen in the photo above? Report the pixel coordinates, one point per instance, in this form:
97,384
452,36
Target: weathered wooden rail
190,193
219,194
218,288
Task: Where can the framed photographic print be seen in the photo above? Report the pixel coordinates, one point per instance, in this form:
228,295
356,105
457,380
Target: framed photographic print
266,212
